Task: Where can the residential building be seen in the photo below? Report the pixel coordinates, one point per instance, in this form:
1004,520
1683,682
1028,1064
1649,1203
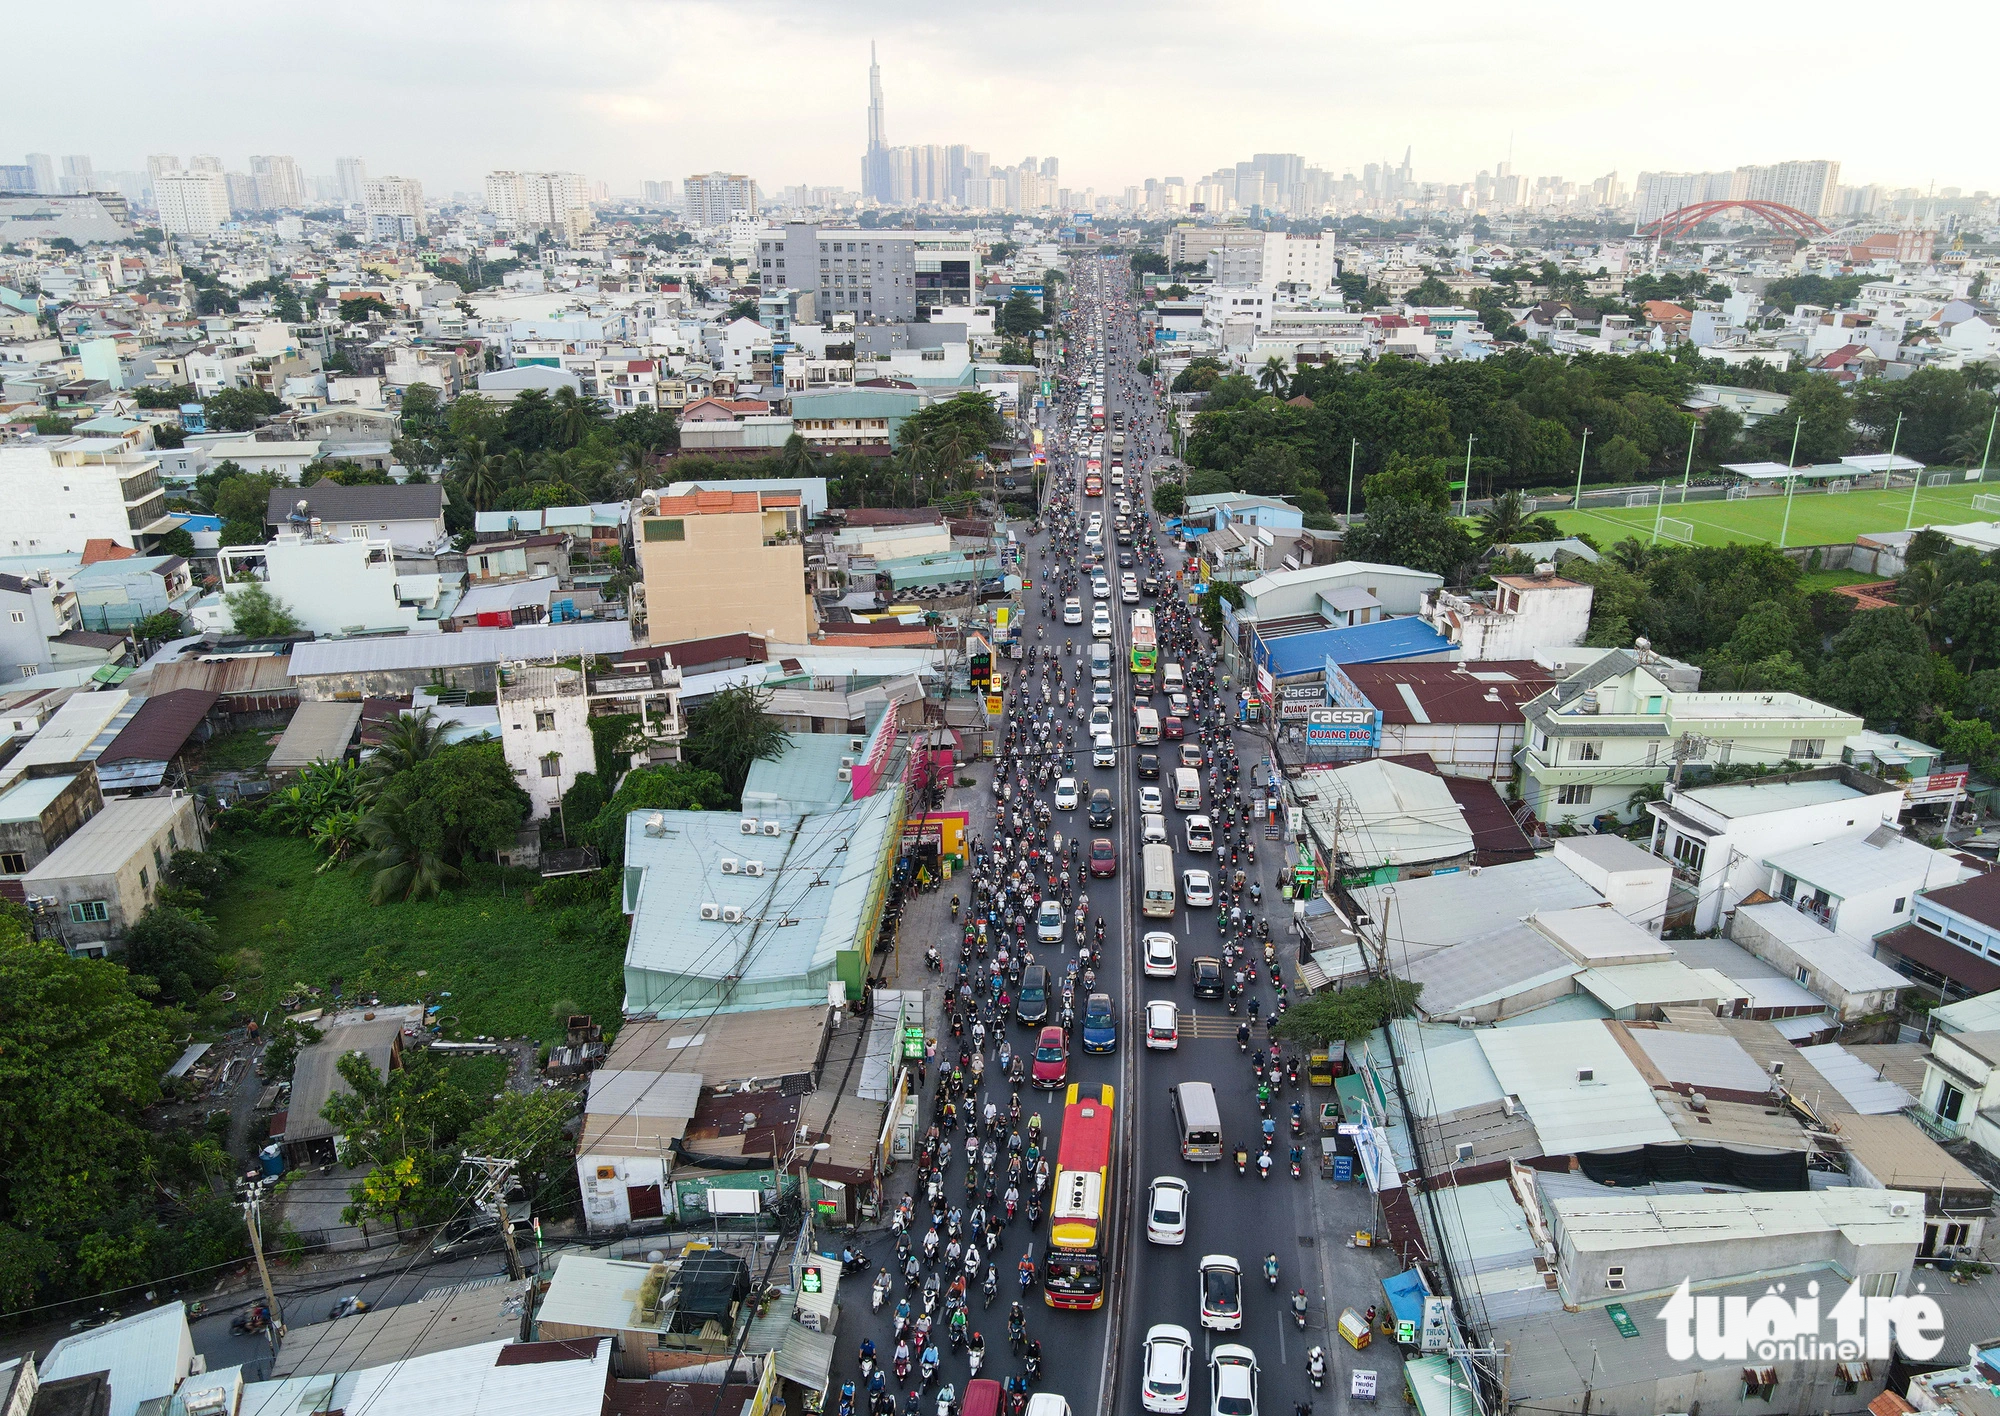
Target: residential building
1466,717
374,1034
409,516
1961,1090
37,814
104,876
395,208
143,1360
1721,838
1951,945
715,563
350,174
853,419
536,201
1394,817
191,203
872,273
280,184
1623,722
32,612
1836,965
58,493
479,1379
1862,886
714,198
1520,616
545,731
67,735
287,458
113,595
331,585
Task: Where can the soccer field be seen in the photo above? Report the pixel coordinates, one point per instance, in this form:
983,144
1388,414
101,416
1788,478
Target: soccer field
1818,519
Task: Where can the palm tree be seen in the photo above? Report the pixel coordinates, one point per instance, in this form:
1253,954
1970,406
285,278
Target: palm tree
409,739
575,416
1632,554
403,865
1919,591
1505,521
475,476
1272,378
632,468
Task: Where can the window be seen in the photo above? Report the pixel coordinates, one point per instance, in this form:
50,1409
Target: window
1541,741
1573,796
1690,852
1806,749
19,618
1759,1383
1800,973
145,881
545,720
1897,908
13,863
552,765
89,912
1950,1100
1879,1285
159,860
666,529
1591,750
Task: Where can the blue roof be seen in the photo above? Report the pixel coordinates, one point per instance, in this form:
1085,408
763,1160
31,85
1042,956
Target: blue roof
1406,1293
1384,640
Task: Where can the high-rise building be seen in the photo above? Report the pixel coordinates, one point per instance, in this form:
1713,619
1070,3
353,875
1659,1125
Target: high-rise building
875,273
242,189
352,175
713,196
658,193
395,208
205,162
44,168
77,178
161,162
17,179
191,203
536,201
875,163
280,184
1807,186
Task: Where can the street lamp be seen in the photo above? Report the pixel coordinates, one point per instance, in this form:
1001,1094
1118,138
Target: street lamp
1791,466
1585,447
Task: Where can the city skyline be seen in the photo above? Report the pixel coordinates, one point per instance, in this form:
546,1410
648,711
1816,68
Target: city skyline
654,104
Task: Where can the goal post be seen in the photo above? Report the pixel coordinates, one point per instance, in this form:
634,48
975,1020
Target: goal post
1639,499
1938,479
1986,502
1679,532
1840,484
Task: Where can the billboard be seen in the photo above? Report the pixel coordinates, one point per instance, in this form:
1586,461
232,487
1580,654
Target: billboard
1343,727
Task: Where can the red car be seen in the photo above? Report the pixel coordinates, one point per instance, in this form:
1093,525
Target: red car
1103,857
1170,728
1051,1058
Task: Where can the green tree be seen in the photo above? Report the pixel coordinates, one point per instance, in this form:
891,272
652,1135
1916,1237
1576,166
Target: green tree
355,308
177,950
1273,378
409,739
729,732
403,1127
167,624
239,410
258,614
1969,617
475,475
1218,594
1879,666
1413,482
1169,498
1621,459
1406,533
1825,435
529,1127
1020,317
428,820
670,786
1349,1014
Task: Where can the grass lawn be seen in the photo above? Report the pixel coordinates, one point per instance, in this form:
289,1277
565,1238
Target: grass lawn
1828,579
1817,518
510,971
241,751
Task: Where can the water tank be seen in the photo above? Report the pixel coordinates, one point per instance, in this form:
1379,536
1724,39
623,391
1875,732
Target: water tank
271,1162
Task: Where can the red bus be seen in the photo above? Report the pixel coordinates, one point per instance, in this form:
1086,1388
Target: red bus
1080,1209
1093,484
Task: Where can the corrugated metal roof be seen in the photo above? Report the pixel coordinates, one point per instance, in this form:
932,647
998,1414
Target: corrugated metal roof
644,1093
1624,988
146,1354
457,1315
1701,1059
27,801
1390,814
161,727
1485,971
471,646
504,596
461,1381
69,731
225,674
110,838
1612,1107
319,731
1856,1081
1444,909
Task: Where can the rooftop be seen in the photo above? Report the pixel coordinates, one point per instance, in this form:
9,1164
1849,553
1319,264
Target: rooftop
1977,899
1754,798
1614,1223
1390,814
146,1354
447,1316
109,839
1485,692
1446,909
467,647
1881,860
1580,1089
29,799
484,1379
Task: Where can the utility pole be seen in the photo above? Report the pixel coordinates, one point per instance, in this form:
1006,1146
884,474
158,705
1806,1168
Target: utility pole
1791,465
492,1196
1991,423
1585,447
253,1220
1354,447
1465,491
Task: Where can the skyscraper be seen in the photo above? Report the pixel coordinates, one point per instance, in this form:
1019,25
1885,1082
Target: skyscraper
280,184
875,165
191,203
352,175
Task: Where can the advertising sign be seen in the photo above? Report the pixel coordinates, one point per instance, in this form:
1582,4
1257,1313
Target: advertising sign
1343,727
1296,700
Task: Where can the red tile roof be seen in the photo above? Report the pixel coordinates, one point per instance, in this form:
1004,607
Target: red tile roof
102,548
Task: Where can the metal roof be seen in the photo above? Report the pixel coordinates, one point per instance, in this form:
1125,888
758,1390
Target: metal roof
1487,971
1857,1082
653,1094
1701,1060
1734,799
103,844
330,501
469,646
1403,638
1900,1156
1613,1223
1389,814
28,800
1446,909
477,1380
319,731
146,1356
1599,935
69,731
1613,1106
1881,860
454,1315
161,727
1625,988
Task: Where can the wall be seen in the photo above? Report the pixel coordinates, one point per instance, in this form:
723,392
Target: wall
337,585
525,745
128,890
46,508
1734,863
722,579
608,1206
1482,750
1748,930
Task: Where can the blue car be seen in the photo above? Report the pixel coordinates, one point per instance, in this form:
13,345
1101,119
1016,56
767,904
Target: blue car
1100,1030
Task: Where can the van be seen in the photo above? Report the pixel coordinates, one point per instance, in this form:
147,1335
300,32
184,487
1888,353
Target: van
1198,1121
1032,1007
1171,680
1148,729
1187,789
1104,752
1100,660
983,1397
1046,1403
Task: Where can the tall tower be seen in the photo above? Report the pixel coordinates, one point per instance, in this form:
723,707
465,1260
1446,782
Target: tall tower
875,166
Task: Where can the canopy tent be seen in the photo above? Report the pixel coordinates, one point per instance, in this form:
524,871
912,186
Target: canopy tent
1778,472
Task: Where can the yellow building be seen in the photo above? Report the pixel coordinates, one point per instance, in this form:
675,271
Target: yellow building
721,562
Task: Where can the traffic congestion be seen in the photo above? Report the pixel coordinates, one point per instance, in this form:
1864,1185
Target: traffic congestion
1112,993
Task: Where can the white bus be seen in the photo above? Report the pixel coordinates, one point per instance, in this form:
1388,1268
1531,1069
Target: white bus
1187,789
1158,863
1149,725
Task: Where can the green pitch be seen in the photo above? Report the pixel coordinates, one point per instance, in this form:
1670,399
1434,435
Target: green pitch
1818,519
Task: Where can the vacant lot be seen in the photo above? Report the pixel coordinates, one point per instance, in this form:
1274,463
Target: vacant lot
508,971
1818,518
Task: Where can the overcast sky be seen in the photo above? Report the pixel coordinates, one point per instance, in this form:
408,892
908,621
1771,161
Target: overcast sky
627,90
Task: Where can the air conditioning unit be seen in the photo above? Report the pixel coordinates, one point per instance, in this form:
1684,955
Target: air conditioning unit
730,865
1463,1153
711,910
1899,1208
847,762
753,867
1511,1105
607,1172
847,774
748,825
1467,1020
732,914
772,828
1586,1074
1777,1069
855,744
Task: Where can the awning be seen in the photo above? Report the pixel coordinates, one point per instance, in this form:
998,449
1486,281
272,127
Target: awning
806,1357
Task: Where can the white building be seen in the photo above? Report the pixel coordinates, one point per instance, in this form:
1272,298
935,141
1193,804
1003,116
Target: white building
58,493
713,197
1304,261
535,201
331,586
395,207
287,459
191,203
545,730
1522,614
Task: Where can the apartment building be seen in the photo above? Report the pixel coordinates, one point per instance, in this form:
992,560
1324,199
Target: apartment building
724,562
191,203
712,198
58,493
1951,943
395,207
1621,723
1520,616
536,201
872,274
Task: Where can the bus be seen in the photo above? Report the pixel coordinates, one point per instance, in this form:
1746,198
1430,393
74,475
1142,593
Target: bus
1145,645
1080,1205
1157,862
1093,485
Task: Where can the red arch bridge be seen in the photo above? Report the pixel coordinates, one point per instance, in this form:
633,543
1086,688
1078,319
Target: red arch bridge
1777,214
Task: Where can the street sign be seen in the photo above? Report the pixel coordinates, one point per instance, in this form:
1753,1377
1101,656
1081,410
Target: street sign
1343,1167
1621,1320
913,1042
809,1280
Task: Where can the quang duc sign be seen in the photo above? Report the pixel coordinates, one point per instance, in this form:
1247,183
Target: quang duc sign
1297,700
1343,727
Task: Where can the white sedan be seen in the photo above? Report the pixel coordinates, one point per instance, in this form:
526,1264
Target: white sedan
1169,1368
1049,923
1072,611
1196,887
1066,794
1100,588
1167,1210
1232,1381
1100,719
1149,800
1162,955
1163,1026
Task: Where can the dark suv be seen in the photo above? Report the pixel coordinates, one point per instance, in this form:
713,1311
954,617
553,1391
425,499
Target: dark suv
1100,808
1207,978
1032,1006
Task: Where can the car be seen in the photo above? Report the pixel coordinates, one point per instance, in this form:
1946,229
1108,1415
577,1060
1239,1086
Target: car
1169,1360
1190,754
1100,719
1093,538
1197,888
1171,729
1128,593
1232,1381
1100,691
1150,586
1124,506
1149,765
1031,1007
1142,687
1161,953
1149,800
1177,703
1153,830
1051,1067
1072,611
1097,521
1102,813
1066,794
1207,975
1100,624
1200,833
1103,751
1049,922
1100,589
1221,1285
1103,858
1163,1026
1125,560
1100,1025
1167,1212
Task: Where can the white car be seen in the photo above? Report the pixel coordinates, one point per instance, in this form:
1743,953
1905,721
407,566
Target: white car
1196,888
1097,521
1100,691
1152,830
1049,922
1149,800
1128,593
1100,588
1072,611
1232,1381
1200,834
1100,720
1163,1026
1094,538
1169,1366
1066,792
1162,954
1167,1211
1100,624
1220,1285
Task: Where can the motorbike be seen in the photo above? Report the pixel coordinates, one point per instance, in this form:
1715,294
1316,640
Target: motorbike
1271,1270
1242,1160
852,1263
1264,1166
1299,1308
1298,1119
1316,1367
881,1293
975,1355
